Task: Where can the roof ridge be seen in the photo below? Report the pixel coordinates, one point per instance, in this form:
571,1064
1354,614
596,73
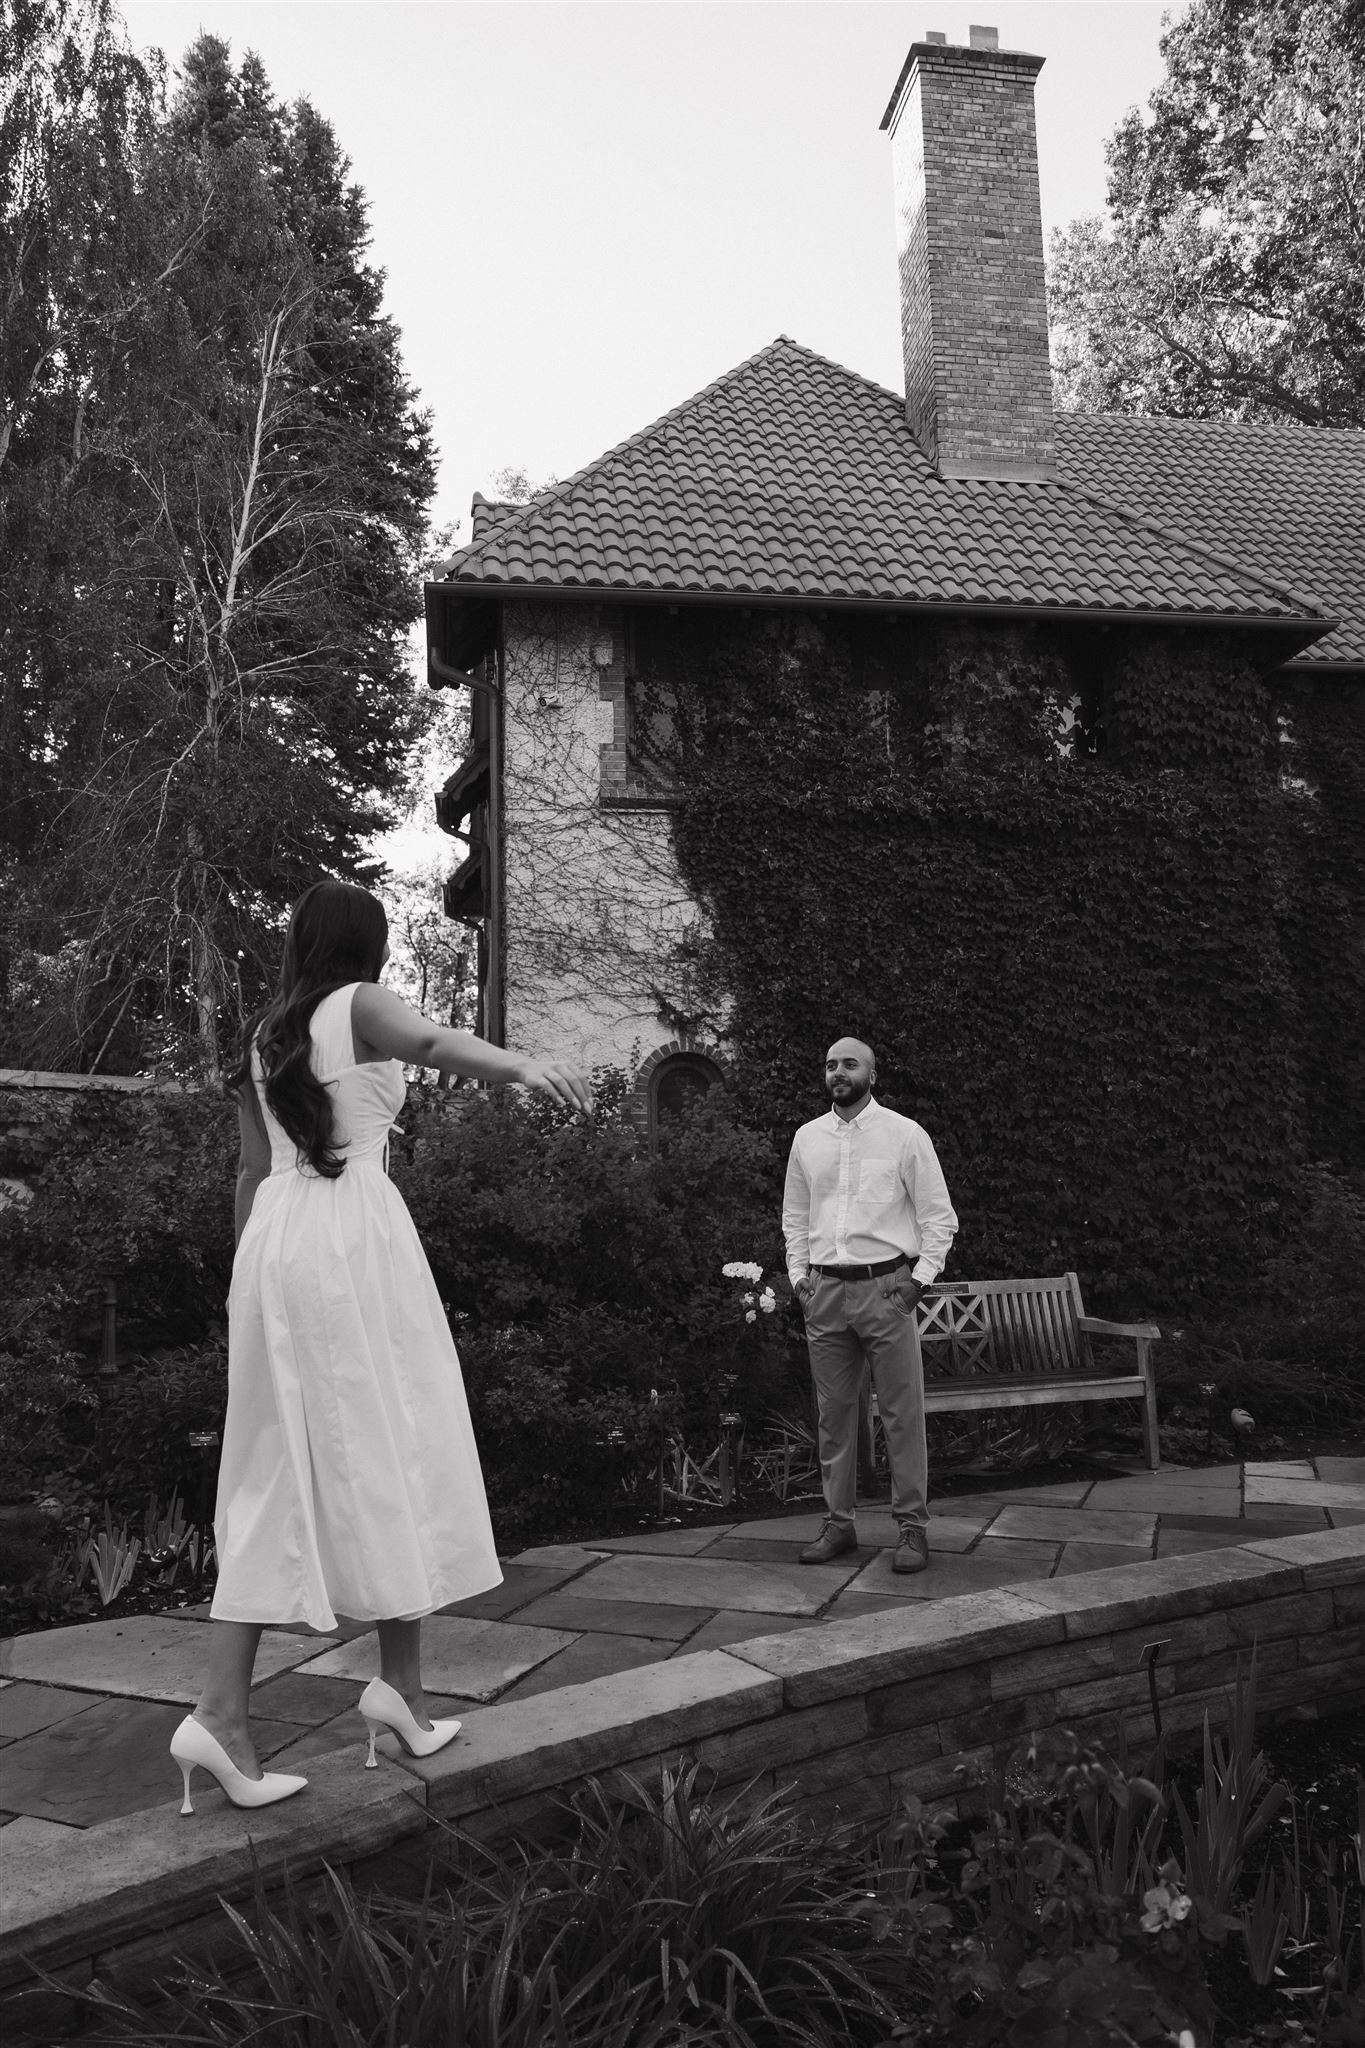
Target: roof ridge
566,485
853,376
507,512
1307,607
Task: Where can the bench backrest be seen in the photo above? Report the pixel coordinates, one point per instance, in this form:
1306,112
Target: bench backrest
981,1327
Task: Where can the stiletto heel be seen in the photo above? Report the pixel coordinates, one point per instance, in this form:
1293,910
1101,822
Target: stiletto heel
192,1744
385,1708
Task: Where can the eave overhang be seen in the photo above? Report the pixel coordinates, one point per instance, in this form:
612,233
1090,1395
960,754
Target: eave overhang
463,615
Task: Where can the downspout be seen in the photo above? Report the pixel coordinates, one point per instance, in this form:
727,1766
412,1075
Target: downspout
494,1027
497,1034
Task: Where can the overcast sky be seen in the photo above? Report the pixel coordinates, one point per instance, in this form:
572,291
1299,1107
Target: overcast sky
588,210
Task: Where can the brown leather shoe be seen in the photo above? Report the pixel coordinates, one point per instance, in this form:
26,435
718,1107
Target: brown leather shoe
834,1539
912,1551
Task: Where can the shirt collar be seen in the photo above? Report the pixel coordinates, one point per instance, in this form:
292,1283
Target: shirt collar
854,1123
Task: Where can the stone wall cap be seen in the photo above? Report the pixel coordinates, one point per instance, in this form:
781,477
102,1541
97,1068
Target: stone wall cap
1164,1588
882,1648
130,1876
552,1738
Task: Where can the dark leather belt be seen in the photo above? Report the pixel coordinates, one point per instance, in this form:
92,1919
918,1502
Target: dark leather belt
861,1272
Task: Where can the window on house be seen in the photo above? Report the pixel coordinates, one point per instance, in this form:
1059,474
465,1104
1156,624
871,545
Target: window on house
652,649
1085,733
676,1085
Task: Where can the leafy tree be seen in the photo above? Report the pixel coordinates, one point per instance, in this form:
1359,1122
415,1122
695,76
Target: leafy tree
224,580
1229,277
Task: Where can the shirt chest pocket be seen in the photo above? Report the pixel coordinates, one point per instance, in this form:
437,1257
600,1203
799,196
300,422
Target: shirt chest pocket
878,1182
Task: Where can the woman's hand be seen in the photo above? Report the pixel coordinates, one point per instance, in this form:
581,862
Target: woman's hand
559,1080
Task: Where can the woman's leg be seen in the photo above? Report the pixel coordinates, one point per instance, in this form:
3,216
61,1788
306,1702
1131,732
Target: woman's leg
224,1704
400,1664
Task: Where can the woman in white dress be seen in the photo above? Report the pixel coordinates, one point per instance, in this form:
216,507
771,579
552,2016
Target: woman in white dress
350,1482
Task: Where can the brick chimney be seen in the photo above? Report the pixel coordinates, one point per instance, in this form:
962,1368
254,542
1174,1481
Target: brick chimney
978,395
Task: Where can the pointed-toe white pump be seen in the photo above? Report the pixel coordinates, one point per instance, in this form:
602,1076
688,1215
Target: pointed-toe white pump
192,1744
385,1708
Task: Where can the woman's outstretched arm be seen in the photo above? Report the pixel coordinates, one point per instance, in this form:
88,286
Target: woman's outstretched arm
389,1027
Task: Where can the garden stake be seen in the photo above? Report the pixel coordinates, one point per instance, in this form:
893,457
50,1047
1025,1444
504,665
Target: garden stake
728,1462
203,1441
109,1333
1148,1656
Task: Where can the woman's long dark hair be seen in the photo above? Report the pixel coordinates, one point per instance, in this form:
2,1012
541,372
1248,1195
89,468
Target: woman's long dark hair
336,935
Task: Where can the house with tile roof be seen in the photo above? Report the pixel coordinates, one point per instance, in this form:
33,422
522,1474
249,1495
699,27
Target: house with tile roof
794,488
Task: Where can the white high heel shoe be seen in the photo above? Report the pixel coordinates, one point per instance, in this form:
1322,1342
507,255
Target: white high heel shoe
192,1744
385,1708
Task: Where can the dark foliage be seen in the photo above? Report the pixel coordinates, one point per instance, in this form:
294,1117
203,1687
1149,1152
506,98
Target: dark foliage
1073,964
581,1272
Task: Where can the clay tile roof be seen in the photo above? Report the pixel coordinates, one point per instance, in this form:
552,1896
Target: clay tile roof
1286,501
792,477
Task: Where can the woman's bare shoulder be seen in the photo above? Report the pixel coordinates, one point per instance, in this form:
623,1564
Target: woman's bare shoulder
382,1024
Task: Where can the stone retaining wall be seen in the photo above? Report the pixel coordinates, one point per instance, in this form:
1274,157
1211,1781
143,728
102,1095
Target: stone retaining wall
923,1697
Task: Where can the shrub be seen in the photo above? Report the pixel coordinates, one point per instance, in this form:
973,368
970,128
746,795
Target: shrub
138,1187
583,1275
663,1919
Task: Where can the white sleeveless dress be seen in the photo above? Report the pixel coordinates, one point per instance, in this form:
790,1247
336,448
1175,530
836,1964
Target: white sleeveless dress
350,1481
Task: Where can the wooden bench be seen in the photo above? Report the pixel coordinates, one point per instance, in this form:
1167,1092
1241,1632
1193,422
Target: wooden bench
992,1344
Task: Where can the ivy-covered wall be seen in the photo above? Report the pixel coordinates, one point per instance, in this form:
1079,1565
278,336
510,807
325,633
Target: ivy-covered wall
1065,886
1323,923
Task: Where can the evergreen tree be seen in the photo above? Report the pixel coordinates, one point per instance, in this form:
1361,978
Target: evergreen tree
1229,277
250,478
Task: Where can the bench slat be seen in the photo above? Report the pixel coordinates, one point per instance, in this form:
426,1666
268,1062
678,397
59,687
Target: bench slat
1047,1352
1048,1390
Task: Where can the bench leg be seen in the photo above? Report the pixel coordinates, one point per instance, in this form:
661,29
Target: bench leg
1150,1439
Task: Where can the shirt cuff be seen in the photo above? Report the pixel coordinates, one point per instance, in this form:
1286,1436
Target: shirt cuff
924,1273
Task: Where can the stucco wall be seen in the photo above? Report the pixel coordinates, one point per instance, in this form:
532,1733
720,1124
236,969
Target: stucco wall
594,905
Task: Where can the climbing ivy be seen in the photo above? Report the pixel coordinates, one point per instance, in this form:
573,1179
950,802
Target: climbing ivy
1048,875
1322,921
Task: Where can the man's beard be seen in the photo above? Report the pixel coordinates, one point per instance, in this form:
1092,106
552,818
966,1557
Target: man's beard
845,1091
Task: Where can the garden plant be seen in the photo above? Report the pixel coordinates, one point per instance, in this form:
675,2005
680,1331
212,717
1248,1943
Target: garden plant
1089,1903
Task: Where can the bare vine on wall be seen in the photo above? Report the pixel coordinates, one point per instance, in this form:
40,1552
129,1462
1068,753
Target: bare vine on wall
602,931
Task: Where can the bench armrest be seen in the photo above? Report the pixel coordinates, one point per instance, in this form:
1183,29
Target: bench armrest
1095,1326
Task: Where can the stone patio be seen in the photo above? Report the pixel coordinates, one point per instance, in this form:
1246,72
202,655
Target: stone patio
86,1712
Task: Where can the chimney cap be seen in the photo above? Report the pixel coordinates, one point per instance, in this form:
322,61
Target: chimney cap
983,38
1016,61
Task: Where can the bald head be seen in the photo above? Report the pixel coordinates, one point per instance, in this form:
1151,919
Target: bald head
859,1046
850,1070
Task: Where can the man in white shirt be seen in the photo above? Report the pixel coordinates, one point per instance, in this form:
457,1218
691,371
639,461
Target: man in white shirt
868,1225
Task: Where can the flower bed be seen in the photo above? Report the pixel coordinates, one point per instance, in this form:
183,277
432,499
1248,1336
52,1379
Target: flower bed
1100,1904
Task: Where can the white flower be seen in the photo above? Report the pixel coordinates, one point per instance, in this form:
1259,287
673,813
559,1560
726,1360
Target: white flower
747,1299
742,1269
767,1301
1166,1907
751,1315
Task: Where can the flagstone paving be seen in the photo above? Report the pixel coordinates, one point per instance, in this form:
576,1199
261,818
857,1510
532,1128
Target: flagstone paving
477,1659
148,1656
86,1712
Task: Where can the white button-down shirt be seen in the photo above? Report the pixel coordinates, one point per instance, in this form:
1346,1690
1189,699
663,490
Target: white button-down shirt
862,1189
